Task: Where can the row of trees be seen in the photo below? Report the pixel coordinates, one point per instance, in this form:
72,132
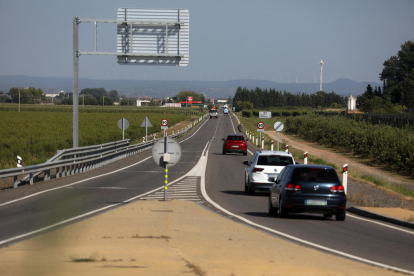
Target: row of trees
398,84
29,95
258,98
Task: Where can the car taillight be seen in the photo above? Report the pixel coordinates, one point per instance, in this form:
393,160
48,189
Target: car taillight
337,189
293,187
257,170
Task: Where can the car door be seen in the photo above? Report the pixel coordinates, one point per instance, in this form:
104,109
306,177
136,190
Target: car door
280,182
250,166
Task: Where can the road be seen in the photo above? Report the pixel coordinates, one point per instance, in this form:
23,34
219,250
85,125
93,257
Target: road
354,238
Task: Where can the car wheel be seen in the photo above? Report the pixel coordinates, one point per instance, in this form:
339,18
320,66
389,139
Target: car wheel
282,212
245,153
340,216
272,210
224,152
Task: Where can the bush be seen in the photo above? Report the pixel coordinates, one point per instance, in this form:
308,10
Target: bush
247,114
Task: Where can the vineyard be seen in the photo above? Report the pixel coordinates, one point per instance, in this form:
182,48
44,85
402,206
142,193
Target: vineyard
383,144
36,133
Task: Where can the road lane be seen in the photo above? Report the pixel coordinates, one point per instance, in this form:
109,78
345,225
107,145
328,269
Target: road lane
225,186
94,192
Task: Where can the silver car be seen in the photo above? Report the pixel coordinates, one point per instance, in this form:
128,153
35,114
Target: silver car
263,168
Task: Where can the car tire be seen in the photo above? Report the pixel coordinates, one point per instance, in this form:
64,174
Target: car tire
340,216
282,212
272,210
224,152
246,188
249,188
245,153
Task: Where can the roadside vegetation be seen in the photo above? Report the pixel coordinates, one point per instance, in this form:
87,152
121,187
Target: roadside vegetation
37,132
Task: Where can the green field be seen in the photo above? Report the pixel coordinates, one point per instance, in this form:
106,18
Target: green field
37,132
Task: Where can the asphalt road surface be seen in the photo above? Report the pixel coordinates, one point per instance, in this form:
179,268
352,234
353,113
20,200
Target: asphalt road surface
224,184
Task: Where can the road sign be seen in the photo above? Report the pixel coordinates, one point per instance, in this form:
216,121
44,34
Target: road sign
265,114
156,37
123,123
260,125
164,122
173,149
190,99
278,126
146,122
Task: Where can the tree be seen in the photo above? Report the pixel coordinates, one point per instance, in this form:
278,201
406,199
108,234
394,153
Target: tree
398,76
183,96
113,95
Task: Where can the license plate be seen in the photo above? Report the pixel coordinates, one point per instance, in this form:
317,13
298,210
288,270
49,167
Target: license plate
315,202
234,146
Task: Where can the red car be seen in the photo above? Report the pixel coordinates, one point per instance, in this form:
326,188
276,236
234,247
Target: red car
235,143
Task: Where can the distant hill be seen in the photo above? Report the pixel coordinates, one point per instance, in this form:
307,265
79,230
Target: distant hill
156,88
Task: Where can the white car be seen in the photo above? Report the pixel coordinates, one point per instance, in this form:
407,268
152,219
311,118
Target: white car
263,168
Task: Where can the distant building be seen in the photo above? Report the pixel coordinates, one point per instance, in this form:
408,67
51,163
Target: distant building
143,101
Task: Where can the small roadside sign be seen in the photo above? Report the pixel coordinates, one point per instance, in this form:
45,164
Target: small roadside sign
260,125
278,126
164,124
265,114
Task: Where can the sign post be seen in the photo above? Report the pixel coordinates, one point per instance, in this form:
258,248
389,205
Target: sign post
123,124
278,126
164,125
146,123
166,153
260,128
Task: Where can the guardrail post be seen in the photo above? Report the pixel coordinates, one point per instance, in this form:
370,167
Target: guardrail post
15,182
305,158
287,148
271,146
262,142
31,179
47,175
57,172
257,138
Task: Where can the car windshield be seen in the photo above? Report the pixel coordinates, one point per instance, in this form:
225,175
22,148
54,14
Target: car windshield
213,110
274,160
235,138
314,175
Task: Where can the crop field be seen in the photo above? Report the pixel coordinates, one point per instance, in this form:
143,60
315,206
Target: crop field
36,133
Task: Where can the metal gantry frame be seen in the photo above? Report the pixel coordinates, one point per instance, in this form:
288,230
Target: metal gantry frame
127,53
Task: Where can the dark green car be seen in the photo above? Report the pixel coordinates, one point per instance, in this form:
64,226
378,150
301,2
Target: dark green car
308,189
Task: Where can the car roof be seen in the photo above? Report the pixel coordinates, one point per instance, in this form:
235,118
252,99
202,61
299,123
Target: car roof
269,152
312,166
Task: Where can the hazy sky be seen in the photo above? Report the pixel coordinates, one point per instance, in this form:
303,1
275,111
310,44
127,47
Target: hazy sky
262,39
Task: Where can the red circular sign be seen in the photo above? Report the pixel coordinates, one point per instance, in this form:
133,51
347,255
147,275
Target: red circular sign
164,122
260,125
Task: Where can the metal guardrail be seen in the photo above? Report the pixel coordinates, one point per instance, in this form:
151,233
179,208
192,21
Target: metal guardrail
77,160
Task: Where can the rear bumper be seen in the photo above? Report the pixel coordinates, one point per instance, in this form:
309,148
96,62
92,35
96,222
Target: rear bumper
297,205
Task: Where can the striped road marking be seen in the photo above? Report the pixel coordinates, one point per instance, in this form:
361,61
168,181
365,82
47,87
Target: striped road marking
185,189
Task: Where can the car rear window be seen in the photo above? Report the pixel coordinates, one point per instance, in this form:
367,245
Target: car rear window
274,160
314,175
235,138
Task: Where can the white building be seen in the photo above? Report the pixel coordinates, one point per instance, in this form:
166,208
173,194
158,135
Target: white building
350,103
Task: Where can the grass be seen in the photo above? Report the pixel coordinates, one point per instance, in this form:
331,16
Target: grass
410,219
400,189
92,258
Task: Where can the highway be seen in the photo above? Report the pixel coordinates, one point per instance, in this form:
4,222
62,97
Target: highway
93,192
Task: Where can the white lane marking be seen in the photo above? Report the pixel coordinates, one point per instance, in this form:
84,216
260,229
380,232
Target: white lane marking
84,180
100,209
382,224
353,257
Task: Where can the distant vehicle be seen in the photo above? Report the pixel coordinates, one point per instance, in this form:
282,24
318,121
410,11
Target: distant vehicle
226,111
226,106
235,143
310,189
263,169
213,113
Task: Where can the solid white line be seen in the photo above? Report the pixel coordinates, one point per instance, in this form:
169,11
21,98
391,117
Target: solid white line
206,197
382,224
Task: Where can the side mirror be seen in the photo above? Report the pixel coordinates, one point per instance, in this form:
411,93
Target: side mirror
245,162
223,139
247,140
297,163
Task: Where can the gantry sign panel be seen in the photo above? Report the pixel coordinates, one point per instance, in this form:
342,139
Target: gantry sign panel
153,36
